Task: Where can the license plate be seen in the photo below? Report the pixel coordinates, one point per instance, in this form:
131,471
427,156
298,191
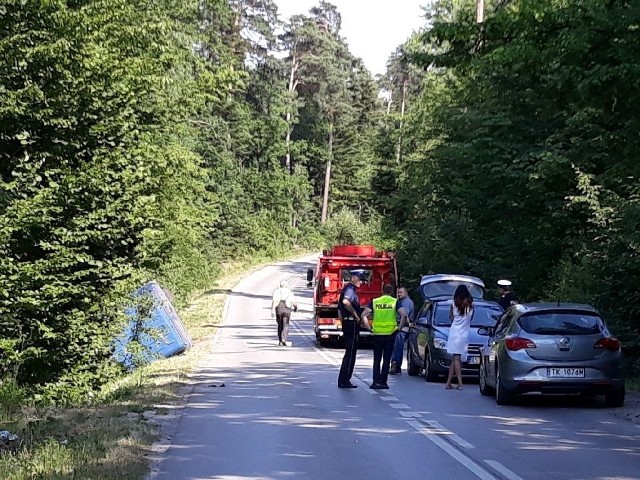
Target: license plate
565,372
473,360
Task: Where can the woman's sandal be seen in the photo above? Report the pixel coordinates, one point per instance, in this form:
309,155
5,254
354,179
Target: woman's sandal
459,387
448,387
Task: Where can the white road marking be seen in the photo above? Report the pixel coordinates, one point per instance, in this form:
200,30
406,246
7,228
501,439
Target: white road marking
434,432
430,429
457,455
450,435
411,414
498,467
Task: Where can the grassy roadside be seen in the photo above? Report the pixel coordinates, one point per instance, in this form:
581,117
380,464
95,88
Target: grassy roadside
111,438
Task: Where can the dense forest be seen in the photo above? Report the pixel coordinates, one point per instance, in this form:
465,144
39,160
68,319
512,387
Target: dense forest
158,140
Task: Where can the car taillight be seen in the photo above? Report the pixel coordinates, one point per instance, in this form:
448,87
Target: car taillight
518,343
608,343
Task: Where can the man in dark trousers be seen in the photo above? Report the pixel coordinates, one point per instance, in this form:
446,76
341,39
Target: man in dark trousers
282,303
349,311
404,317
507,297
384,329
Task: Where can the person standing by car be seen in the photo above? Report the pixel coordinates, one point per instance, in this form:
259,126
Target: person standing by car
404,318
283,301
507,297
349,311
384,328
461,314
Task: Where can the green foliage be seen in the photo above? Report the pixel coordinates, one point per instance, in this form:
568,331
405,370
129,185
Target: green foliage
148,140
12,397
521,161
332,111
99,185
347,227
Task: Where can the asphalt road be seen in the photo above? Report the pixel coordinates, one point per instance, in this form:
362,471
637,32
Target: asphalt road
280,415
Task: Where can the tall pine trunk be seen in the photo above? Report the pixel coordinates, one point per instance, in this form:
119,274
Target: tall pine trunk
327,176
479,11
402,108
293,83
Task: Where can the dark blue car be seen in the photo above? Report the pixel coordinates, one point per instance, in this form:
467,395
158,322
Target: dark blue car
428,336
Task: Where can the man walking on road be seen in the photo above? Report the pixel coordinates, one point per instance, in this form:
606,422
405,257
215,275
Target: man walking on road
350,312
282,303
404,318
384,330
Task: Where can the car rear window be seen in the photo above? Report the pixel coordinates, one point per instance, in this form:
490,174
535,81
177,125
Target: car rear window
483,315
561,323
448,288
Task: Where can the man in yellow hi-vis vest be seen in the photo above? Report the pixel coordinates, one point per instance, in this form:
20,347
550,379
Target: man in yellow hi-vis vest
384,328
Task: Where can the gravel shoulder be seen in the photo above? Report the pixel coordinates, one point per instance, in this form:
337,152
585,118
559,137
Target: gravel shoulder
631,408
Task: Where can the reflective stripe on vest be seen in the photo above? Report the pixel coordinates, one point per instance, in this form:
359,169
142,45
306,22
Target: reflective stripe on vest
384,315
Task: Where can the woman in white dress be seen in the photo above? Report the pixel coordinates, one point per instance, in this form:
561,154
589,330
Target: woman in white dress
461,313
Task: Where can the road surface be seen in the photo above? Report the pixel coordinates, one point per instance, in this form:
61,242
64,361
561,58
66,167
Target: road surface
280,415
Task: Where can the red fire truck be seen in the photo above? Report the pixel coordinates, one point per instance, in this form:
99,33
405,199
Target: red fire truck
333,271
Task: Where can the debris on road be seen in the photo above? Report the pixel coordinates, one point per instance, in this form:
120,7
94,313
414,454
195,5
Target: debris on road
8,440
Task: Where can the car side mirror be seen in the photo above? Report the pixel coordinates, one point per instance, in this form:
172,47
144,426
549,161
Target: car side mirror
310,277
485,331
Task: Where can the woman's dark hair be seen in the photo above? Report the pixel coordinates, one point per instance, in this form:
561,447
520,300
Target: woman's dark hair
463,300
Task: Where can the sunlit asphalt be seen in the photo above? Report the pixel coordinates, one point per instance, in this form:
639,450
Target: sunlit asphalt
280,415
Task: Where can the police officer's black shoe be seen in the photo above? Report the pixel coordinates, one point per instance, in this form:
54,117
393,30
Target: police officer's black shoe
384,386
375,386
347,385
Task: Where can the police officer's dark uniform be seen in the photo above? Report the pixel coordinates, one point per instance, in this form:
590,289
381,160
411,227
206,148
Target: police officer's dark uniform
384,331
350,331
507,297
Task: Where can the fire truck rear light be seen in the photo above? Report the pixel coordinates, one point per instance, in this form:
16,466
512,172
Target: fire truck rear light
326,321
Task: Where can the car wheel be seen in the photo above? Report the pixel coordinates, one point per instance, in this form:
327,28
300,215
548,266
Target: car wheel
429,374
503,397
412,369
485,389
615,399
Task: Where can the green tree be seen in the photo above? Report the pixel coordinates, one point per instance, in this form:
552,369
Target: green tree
94,155
522,165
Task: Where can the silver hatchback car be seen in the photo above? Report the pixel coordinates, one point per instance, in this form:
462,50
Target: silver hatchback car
560,348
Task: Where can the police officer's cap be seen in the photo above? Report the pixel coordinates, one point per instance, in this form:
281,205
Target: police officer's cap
361,274
504,283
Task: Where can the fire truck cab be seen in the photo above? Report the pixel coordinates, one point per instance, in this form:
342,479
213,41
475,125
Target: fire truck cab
333,271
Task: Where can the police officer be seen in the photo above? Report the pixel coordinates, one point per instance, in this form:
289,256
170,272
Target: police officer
507,297
349,311
384,329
